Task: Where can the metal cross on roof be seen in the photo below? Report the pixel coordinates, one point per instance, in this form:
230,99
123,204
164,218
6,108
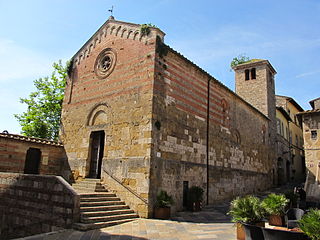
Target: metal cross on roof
111,10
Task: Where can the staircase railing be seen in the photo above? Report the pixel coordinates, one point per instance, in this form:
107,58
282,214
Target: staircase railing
126,187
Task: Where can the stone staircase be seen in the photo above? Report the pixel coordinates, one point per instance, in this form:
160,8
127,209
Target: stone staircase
100,208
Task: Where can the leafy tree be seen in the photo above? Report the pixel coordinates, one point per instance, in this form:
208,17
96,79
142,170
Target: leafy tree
42,118
242,58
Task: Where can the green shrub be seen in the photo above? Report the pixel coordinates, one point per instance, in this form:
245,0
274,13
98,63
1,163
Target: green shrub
247,209
275,204
310,224
164,200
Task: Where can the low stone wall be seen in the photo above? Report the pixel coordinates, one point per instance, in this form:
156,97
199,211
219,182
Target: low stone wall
32,204
133,199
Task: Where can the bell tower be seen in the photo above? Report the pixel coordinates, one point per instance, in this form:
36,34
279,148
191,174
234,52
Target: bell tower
255,84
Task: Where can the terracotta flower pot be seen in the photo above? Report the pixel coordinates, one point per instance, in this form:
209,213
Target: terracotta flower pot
275,220
162,212
241,235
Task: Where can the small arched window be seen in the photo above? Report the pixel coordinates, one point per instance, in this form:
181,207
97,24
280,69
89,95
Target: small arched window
253,73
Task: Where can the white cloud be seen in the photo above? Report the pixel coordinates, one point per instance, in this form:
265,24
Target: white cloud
307,74
19,62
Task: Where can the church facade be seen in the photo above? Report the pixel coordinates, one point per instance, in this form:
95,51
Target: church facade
143,118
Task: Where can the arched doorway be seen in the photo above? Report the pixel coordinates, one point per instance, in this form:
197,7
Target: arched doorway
96,153
32,162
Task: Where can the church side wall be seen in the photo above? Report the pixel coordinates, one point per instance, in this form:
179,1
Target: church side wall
120,105
239,154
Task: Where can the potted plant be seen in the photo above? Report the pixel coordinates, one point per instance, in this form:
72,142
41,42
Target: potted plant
246,209
162,209
195,197
310,224
275,206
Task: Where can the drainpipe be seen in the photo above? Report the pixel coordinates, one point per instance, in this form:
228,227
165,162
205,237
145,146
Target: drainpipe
208,125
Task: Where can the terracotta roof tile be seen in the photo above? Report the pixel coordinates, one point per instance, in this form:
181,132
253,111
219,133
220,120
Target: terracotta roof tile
30,139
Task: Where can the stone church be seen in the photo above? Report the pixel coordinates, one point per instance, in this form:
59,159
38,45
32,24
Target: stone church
143,118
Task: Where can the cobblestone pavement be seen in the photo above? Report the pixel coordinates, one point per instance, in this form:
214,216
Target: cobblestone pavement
211,223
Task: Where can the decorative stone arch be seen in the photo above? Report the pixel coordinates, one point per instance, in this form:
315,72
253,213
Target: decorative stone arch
90,48
98,115
236,138
225,111
129,34
112,29
106,31
136,33
118,30
123,32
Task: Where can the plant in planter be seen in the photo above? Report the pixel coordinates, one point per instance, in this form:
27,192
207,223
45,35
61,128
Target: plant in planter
195,198
162,209
275,206
246,209
310,224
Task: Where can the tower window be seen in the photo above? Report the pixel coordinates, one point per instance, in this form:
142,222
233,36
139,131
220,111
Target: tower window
314,134
247,74
253,73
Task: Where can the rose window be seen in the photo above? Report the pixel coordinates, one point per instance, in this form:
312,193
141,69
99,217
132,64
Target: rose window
105,63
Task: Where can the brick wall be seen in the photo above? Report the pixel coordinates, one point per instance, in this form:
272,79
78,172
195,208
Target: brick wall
13,151
311,123
119,104
238,162
32,204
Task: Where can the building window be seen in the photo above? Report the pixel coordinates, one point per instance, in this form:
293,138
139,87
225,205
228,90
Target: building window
253,73
314,134
278,126
247,75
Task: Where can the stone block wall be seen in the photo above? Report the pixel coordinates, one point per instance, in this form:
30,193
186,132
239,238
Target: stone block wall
311,122
13,151
238,162
32,204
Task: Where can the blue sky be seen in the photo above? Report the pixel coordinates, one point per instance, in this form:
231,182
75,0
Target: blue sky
36,33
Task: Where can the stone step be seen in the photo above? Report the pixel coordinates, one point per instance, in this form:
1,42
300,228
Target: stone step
90,180
84,189
103,208
105,213
90,226
94,195
87,183
92,189
108,218
91,204
99,199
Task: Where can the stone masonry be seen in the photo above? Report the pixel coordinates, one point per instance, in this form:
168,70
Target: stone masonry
167,123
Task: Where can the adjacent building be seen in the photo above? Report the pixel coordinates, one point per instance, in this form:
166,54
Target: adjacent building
311,133
290,153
